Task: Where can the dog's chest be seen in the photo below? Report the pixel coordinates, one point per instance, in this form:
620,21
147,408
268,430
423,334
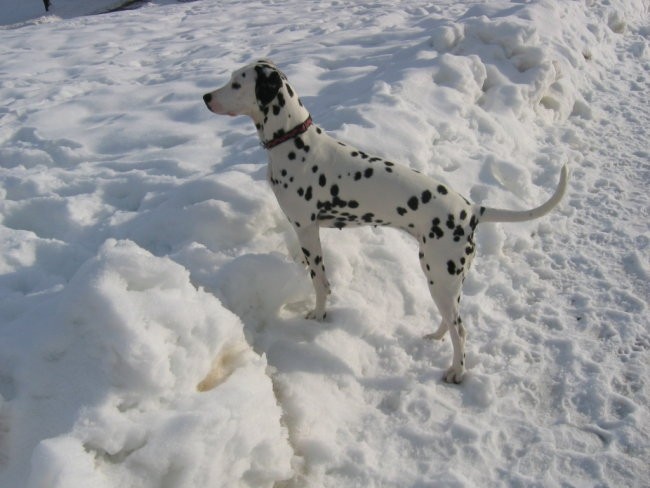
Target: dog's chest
296,165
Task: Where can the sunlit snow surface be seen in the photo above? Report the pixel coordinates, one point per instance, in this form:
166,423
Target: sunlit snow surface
151,295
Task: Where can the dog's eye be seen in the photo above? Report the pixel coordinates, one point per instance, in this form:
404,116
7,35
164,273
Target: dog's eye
236,86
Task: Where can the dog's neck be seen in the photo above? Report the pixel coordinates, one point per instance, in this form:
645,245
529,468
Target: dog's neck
279,117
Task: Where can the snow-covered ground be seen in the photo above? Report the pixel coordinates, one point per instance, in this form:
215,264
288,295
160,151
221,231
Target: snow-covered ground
151,330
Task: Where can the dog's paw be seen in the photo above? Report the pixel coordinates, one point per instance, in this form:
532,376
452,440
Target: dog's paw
435,336
316,315
454,375
439,334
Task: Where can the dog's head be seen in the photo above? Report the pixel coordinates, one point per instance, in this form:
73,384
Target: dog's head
249,92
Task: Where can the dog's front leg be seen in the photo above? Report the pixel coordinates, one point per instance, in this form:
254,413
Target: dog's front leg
310,243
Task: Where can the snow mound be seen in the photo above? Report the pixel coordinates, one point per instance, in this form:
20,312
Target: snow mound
138,376
518,73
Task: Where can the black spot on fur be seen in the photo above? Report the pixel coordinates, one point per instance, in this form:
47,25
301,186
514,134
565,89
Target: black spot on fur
426,196
322,180
291,155
450,221
473,222
357,176
334,191
308,194
451,267
401,210
413,203
463,215
458,233
368,172
299,143
436,231
442,189
353,204
266,86
305,252
354,154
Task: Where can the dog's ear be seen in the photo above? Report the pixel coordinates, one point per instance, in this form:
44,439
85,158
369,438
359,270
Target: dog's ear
267,85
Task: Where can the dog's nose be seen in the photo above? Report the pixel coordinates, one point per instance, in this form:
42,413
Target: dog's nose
207,97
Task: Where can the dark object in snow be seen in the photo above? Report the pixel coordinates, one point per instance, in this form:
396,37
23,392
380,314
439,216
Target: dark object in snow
47,4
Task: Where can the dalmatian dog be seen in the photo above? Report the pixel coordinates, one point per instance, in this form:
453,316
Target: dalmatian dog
321,182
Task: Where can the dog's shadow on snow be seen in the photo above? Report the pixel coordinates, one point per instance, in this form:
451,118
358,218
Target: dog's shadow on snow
256,288
292,345
271,296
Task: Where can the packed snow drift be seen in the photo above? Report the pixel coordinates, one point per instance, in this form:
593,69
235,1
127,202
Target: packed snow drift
151,291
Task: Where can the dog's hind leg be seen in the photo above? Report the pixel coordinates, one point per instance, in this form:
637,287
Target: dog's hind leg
446,299
311,248
426,268
445,289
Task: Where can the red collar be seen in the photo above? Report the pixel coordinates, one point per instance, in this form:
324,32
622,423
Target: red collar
296,131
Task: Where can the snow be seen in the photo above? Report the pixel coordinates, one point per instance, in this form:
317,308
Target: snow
151,293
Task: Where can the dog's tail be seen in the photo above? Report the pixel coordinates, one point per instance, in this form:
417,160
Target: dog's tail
499,215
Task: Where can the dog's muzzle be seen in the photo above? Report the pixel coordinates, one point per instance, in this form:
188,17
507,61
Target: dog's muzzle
214,106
